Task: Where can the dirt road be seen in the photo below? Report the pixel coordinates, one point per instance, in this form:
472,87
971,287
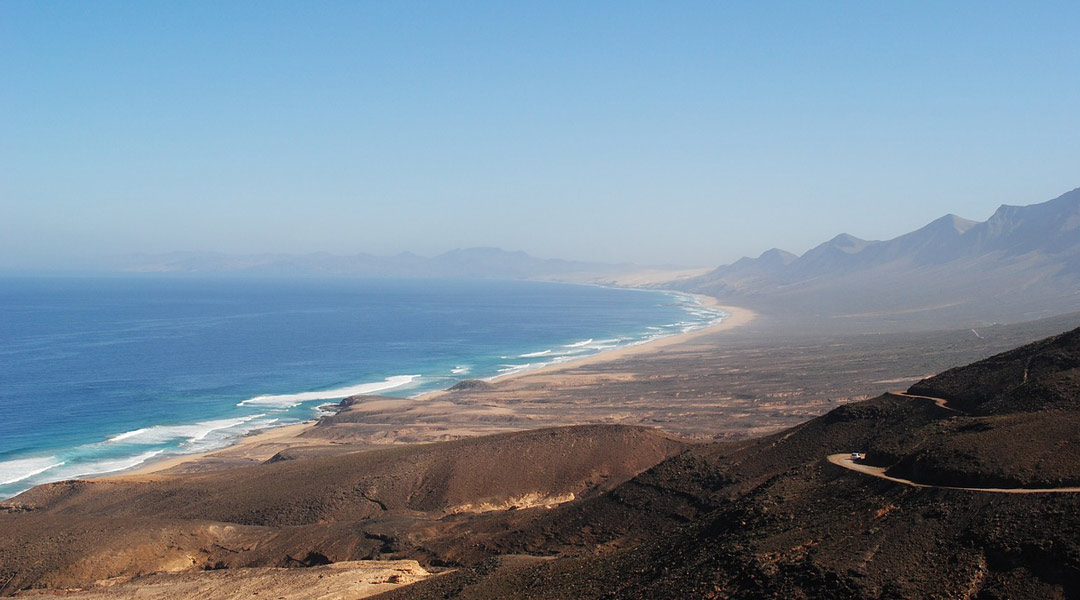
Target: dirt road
941,402
844,460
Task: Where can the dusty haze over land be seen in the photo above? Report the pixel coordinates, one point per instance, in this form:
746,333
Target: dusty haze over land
1022,263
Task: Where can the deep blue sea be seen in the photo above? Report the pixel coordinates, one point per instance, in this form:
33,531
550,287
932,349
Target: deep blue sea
98,375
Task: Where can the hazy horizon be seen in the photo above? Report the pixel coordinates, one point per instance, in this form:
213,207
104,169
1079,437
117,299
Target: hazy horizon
690,135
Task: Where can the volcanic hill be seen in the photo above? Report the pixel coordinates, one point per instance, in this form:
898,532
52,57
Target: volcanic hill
771,518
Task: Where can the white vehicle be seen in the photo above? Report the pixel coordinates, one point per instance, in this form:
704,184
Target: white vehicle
858,455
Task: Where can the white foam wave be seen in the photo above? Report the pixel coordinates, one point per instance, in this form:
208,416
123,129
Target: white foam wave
290,400
579,344
512,369
535,354
220,438
159,434
102,466
460,370
129,434
24,468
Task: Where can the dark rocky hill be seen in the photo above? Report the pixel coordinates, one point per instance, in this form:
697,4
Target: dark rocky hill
771,518
1037,377
1020,425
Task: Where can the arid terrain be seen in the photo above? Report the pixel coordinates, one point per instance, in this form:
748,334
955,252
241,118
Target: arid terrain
337,581
728,300
772,518
640,475
731,383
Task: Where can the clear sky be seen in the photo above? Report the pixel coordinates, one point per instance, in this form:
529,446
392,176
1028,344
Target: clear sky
662,132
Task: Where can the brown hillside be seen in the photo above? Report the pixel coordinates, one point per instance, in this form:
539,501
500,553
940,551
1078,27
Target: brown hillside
770,518
305,511
764,518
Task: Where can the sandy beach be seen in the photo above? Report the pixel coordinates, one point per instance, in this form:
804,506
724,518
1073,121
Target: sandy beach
445,415
737,316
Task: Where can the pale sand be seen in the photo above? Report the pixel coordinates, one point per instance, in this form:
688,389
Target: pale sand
348,580
433,417
736,316
256,447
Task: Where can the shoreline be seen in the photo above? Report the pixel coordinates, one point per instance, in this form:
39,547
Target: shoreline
736,316
260,445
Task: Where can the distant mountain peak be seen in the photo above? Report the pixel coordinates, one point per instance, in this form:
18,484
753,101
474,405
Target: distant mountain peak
776,255
951,221
847,242
1071,197
484,251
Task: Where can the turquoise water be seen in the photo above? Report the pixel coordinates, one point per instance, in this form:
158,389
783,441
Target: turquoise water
101,375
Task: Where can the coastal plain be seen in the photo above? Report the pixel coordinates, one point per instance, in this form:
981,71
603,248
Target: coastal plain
746,377
596,456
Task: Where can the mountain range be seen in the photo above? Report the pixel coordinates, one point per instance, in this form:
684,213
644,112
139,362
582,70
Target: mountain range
1020,264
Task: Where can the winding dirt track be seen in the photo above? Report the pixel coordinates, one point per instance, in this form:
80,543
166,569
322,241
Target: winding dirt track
941,402
844,460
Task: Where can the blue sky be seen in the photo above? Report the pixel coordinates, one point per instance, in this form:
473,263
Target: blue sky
689,133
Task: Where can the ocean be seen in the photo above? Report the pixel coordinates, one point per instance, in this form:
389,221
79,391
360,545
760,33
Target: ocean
99,375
